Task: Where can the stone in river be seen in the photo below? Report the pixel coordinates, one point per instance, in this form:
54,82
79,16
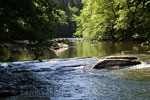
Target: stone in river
113,61
121,57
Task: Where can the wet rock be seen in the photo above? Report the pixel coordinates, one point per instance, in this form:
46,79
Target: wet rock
2,65
40,60
59,46
145,44
116,62
10,66
121,57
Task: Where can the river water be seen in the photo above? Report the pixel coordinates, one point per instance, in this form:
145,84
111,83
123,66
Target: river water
69,75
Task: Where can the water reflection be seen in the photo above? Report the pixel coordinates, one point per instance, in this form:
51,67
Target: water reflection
79,49
139,74
59,52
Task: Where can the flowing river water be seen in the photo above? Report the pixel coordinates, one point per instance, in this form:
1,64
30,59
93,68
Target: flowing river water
69,75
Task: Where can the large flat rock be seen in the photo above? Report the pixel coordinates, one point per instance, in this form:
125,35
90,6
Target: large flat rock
120,57
116,62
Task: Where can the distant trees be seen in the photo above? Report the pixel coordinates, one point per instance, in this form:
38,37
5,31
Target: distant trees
114,20
71,9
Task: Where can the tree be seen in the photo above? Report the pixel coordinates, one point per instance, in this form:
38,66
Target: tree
28,20
114,20
71,9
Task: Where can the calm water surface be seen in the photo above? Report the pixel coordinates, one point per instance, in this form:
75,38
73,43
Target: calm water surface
57,79
81,49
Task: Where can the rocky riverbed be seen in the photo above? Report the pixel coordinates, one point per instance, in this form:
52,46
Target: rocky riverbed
69,79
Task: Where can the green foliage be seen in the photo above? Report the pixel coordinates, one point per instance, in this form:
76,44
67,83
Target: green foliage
61,16
29,20
71,9
114,20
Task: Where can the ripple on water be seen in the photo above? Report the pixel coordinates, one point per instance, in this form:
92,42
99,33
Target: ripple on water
73,79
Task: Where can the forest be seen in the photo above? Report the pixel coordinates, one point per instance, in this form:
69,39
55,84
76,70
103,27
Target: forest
115,20
36,20
72,9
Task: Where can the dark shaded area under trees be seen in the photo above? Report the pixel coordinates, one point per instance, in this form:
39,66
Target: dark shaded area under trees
37,19
27,20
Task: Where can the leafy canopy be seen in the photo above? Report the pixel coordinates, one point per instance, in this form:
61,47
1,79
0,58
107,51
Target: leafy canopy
114,20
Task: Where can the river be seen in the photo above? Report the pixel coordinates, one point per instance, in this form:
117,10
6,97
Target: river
68,74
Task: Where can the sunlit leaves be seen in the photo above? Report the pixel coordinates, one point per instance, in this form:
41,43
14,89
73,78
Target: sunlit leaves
61,17
114,19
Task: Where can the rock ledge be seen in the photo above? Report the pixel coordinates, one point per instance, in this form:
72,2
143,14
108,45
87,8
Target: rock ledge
116,62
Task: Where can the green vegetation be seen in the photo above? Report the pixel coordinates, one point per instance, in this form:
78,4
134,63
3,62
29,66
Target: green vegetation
117,20
40,20
71,9
65,41
28,24
37,20
28,20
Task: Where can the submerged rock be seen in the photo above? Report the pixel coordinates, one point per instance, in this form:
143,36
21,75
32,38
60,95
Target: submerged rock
116,62
1,66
